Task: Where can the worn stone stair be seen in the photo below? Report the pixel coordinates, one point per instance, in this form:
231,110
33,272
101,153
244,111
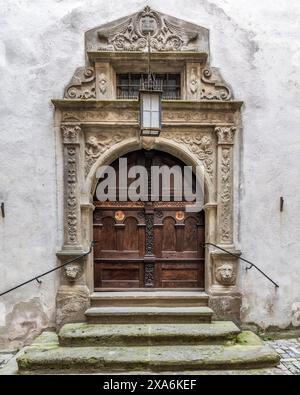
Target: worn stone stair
81,335
136,333
148,314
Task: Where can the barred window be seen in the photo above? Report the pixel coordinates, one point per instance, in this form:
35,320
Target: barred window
128,85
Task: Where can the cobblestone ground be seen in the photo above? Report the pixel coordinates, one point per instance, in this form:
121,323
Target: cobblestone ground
289,350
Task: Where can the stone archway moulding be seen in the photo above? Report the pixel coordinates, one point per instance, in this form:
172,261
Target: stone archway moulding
201,130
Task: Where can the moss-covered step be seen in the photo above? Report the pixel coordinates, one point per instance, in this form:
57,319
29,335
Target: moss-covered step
250,354
83,335
148,315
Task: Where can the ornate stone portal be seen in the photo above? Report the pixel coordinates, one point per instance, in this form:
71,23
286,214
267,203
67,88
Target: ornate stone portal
96,128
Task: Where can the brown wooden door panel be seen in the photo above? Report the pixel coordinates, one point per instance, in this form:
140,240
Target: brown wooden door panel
142,243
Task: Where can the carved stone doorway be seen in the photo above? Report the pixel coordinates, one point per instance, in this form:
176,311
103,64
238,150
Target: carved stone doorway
145,244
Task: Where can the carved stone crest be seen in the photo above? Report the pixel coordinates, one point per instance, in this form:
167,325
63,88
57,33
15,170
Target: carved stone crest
132,34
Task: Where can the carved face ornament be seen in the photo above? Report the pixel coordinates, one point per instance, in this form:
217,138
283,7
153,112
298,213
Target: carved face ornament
225,274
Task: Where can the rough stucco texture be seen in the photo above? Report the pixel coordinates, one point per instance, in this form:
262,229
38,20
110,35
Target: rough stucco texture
255,44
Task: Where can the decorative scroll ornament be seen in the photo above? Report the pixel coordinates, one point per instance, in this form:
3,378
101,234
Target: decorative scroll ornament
82,85
71,209
96,146
132,34
199,145
226,134
226,193
214,89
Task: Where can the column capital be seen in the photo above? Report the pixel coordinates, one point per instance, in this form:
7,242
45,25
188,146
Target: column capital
225,134
70,133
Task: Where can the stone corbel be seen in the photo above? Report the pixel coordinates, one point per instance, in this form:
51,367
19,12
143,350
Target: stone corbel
225,136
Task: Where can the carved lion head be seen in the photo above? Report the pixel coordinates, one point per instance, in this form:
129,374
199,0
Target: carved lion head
225,274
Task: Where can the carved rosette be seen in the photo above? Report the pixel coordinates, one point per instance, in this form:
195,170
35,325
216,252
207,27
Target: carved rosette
70,135
200,145
225,174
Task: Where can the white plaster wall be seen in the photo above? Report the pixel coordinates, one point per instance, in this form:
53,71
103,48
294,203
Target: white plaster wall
256,45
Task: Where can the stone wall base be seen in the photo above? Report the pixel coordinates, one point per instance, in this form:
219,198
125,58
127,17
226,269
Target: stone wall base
71,304
226,307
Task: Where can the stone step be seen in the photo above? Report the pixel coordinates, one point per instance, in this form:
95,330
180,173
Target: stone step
158,298
248,353
84,335
148,315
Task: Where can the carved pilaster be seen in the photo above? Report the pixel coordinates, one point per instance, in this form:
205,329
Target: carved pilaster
104,82
71,135
225,184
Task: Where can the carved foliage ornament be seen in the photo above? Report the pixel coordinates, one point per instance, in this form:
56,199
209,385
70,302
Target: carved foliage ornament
199,145
132,34
226,134
226,193
70,133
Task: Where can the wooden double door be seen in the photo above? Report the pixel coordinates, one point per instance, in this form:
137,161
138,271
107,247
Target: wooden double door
148,245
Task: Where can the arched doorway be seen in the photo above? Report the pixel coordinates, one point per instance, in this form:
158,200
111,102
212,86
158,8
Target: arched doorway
145,244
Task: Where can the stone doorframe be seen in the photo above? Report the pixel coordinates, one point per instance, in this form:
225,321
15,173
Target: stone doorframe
95,128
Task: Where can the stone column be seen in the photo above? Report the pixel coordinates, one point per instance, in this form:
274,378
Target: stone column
225,298
73,295
71,151
225,136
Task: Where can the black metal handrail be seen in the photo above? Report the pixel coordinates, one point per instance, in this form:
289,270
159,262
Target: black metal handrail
37,278
245,260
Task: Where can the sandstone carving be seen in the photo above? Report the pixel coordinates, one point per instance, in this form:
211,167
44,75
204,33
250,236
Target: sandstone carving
132,35
71,304
226,134
226,193
200,145
225,274
73,271
213,87
96,145
82,85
